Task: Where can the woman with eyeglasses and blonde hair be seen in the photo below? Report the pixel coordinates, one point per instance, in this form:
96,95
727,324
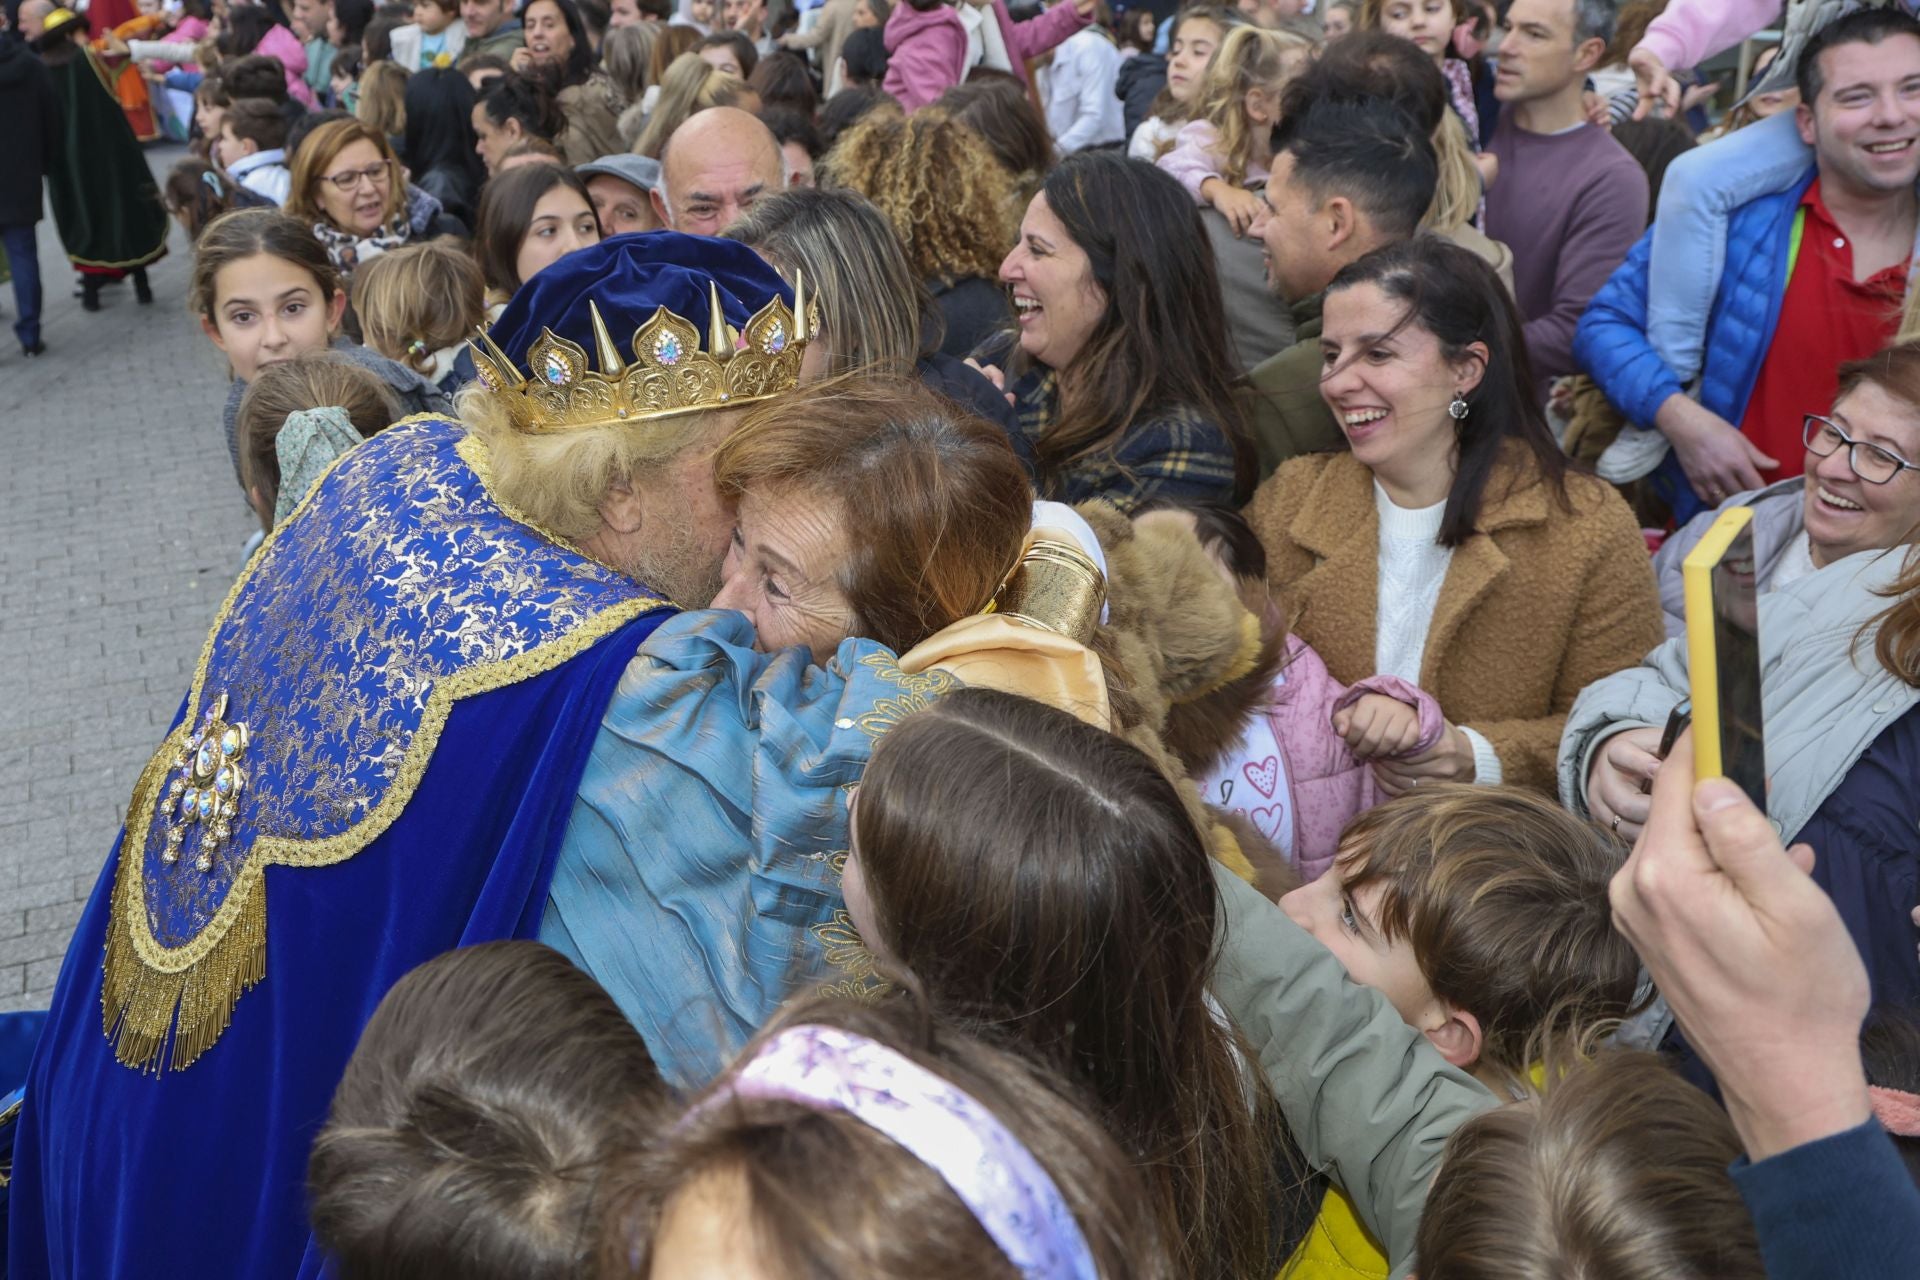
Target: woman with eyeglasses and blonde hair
349,187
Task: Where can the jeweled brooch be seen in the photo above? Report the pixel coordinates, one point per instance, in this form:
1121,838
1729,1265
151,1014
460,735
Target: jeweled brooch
208,786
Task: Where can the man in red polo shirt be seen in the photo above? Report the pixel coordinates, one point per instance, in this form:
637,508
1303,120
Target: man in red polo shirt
1842,302
1815,276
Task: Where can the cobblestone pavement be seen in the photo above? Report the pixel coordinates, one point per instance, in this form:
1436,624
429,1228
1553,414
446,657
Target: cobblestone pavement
120,531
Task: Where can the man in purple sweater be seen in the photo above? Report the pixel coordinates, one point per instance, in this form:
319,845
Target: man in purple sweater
1569,201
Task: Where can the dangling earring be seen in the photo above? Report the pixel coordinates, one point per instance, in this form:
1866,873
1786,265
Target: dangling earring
1458,409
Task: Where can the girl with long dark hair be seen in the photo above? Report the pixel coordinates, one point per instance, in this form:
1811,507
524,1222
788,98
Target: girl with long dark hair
1072,916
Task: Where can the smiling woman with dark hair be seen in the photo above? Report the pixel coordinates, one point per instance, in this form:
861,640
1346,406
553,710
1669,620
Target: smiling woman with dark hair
1121,379
1452,546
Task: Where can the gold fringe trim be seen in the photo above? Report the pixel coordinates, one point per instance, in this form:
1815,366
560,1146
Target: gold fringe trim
163,1007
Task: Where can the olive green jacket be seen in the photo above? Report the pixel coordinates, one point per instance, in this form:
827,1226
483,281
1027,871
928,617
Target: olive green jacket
1367,1098
1281,397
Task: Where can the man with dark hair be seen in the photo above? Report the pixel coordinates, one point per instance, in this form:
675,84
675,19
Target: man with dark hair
1815,275
1570,200
1350,175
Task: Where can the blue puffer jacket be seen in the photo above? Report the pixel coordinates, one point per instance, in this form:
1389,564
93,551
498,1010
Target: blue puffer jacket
1611,342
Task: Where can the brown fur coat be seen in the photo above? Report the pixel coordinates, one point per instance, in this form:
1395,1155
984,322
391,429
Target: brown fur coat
1539,603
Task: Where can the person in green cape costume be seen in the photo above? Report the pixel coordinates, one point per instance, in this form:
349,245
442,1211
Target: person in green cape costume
105,200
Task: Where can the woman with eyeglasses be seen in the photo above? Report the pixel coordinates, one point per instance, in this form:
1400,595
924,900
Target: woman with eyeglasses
1855,493
350,188
1839,572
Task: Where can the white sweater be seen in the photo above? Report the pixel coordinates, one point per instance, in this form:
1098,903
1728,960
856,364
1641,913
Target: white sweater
1412,569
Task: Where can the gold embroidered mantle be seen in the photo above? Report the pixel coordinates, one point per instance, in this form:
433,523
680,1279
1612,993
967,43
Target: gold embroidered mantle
398,587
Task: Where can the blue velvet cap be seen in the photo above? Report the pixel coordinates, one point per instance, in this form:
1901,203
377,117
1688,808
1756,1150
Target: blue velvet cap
628,278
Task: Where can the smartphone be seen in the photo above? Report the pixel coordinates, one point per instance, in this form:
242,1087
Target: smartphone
1723,653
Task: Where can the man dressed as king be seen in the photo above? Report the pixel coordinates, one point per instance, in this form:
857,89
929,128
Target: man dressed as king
404,702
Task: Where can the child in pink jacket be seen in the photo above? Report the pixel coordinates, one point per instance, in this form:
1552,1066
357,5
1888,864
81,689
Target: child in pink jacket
927,44
1298,764
926,52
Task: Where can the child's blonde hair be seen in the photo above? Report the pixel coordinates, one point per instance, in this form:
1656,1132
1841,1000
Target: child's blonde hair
418,299
1502,896
1250,58
1618,1169
1456,195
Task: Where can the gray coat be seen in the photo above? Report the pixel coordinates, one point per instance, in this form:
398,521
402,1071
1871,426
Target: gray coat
1779,516
1824,697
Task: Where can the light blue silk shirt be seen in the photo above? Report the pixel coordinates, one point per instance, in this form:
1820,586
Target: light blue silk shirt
699,880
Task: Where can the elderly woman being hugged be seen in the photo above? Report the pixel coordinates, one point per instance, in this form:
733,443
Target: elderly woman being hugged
1452,546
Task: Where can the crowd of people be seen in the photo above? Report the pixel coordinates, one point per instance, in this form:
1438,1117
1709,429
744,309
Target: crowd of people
957,637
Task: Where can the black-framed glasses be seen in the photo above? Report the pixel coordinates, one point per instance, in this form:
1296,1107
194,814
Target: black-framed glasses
378,174
1870,462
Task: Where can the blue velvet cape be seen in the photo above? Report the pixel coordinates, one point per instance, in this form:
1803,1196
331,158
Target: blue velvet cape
397,593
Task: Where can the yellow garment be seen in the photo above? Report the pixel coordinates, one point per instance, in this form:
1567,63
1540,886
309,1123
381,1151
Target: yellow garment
994,652
1339,1247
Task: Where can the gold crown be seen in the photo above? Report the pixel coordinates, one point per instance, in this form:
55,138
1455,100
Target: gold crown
670,373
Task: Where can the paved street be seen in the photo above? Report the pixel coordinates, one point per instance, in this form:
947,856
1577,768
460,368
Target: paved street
120,531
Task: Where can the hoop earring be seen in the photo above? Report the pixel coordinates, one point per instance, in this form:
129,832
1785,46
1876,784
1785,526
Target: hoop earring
1458,409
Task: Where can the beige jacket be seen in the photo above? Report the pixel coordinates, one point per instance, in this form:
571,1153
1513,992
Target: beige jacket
1538,604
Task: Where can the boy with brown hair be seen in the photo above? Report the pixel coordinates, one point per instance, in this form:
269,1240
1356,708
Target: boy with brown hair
1482,913
252,148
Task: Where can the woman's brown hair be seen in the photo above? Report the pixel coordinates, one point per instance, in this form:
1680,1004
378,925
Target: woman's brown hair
934,504
1619,1169
677,38
1007,121
938,183
1502,896
418,299
244,233
828,1197
691,85
1040,881
383,99
506,210
1160,344
320,380
471,1129
316,154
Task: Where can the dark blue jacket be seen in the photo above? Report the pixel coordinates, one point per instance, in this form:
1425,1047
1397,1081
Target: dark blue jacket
1611,342
1840,1208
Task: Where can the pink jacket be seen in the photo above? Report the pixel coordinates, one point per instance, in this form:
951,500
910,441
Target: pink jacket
1330,788
282,44
1195,157
1039,36
1691,31
926,54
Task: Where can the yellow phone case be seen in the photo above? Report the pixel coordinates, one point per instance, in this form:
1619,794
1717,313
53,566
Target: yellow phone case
1703,666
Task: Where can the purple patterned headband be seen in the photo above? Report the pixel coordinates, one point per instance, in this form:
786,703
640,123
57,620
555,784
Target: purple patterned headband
940,1125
